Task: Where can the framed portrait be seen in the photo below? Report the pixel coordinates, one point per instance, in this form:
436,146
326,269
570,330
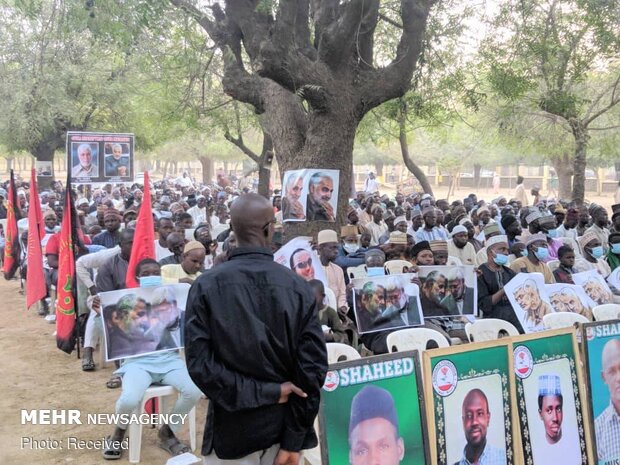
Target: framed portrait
373,407
594,286
448,291
118,158
550,399
601,345
528,296
470,397
141,321
386,302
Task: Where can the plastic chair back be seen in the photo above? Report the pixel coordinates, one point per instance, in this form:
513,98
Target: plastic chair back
489,329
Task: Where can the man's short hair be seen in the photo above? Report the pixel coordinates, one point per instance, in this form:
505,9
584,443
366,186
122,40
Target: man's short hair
317,177
83,147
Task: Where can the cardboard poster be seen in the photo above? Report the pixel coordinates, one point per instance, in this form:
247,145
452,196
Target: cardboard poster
448,291
310,195
570,298
386,303
470,399
602,369
528,296
100,157
373,407
594,285
550,401
141,321
297,255
44,168
614,279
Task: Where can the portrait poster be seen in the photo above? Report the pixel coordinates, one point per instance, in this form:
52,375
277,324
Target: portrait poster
602,369
100,157
297,255
448,291
594,285
310,195
141,321
372,406
528,296
44,168
614,279
470,404
570,298
550,400
386,302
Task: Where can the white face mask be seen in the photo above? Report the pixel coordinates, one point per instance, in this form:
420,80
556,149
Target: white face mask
350,248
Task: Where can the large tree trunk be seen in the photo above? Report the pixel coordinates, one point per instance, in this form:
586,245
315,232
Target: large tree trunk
264,166
580,133
477,169
379,168
409,163
207,169
564,170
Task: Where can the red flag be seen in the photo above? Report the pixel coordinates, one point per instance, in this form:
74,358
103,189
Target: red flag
35,278
144,237
66,306
11,248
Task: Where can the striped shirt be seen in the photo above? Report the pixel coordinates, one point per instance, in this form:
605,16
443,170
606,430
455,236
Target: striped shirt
607,430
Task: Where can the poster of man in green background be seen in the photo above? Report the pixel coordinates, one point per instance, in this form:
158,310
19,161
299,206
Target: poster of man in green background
372,412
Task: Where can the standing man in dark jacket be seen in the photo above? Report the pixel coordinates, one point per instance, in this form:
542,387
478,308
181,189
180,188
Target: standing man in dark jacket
254,346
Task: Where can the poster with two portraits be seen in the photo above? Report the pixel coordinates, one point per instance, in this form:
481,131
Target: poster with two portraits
310,195
100,157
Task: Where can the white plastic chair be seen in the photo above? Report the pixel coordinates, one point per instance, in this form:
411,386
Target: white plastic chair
553,265
488,329
357,271
396,266
606,312
331,298
135,430
562,320
337,352
414,339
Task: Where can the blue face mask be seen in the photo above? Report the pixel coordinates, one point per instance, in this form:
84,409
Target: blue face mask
500,259
552,233
597,252
150,281
541,253
524,253
375,271
615,248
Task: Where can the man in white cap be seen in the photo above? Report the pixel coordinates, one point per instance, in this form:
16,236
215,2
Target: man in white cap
537,252
327,241
557,446
430,231
199,211
460,247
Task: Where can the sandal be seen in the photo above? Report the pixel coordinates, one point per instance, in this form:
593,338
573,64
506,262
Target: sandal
173,446
109,452
114,382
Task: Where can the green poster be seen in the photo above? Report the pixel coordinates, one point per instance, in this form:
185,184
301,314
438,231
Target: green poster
602,370
548,399
471,410
372,412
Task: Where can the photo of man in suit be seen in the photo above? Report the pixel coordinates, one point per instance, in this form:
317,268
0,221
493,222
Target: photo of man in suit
401,309
460,298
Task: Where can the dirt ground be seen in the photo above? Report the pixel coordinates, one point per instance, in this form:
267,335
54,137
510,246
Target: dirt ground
36,375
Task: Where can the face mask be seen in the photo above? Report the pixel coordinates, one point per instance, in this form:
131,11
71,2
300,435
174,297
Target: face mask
350,248
150,281
597,252
541,253
552,233
524,253
615,248
375,271
500,259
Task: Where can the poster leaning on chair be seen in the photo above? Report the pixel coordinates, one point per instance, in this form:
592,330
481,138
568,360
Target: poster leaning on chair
551,401
601,343
373,407
470,396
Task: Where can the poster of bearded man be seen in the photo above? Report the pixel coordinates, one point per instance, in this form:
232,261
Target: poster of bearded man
529,299
594,285
570,298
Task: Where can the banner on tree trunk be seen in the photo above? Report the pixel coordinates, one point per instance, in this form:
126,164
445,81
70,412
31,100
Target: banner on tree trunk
44,168
100,157
386,303
594,285
528,296
310,195
143,321
601,343
373,407
550,400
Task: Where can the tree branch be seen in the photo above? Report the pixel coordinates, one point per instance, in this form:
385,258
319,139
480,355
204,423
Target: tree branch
614,100
390,21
